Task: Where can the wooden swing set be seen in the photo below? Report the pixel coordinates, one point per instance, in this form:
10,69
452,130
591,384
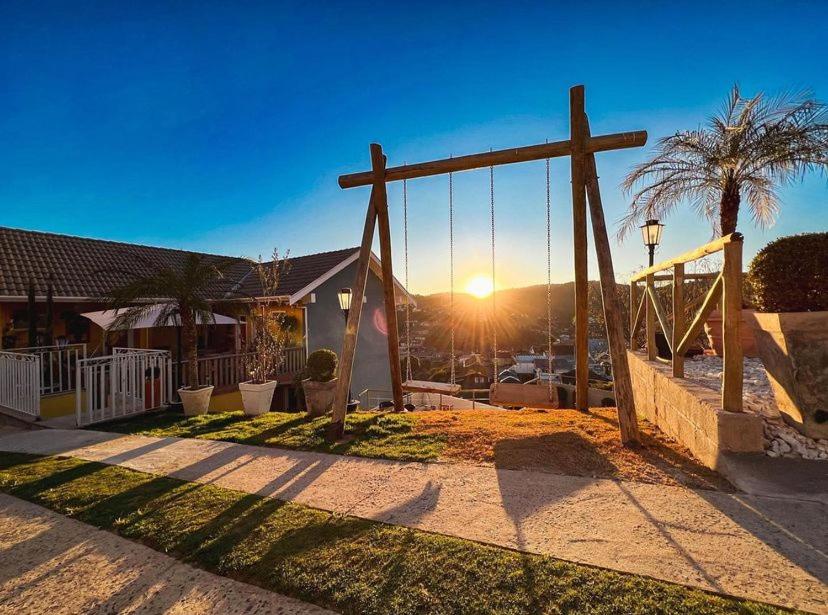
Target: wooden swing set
581,148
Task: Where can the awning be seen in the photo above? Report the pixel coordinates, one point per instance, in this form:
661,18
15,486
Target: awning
105,319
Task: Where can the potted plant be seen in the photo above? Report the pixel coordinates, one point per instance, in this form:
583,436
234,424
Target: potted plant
186,288
272,333
320,385
789,279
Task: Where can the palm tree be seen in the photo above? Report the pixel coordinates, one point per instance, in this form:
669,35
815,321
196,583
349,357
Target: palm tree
751,147
184,291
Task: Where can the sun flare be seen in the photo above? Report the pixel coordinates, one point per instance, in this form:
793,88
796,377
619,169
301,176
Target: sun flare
480,286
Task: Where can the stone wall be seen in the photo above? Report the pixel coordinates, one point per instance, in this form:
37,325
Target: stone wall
691,413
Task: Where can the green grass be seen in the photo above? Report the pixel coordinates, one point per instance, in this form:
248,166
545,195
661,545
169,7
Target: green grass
348,564
368,434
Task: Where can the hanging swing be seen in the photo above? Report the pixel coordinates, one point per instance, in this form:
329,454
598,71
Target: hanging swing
514,395
427,386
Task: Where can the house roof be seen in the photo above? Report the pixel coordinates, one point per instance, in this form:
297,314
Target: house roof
83,268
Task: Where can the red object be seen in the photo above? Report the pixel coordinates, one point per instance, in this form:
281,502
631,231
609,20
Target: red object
152,392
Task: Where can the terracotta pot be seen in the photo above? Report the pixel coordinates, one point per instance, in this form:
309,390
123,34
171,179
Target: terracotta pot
794,349
195,401
713,329
319,396
257,397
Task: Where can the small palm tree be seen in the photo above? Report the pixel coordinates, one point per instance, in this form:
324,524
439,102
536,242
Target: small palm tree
747,150
184,292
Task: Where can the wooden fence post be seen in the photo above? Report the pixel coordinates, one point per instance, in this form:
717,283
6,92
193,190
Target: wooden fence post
578,137
678,319
650,318
633,310
732,374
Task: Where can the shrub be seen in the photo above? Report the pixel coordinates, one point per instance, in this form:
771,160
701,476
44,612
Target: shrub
791,274
321,365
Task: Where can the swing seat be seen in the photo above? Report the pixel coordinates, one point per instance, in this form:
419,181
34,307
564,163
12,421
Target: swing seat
509,394
424,386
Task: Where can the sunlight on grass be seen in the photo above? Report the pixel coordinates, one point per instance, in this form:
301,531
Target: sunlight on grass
348,564
367,434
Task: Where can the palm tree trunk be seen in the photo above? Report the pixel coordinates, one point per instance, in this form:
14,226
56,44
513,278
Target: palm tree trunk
189,339
729,209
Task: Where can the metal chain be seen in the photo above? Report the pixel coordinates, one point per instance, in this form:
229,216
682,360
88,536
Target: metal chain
548,279
451,271
494,289
408,298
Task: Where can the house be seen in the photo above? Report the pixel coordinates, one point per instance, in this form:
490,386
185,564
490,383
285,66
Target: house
474,379
81,271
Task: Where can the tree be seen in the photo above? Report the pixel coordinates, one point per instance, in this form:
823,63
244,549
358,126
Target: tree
185,291
49,327
750,148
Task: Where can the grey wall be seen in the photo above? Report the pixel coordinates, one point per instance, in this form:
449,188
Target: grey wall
326,326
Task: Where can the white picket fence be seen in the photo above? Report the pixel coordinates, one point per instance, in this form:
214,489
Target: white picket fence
57,366
127,382
20,375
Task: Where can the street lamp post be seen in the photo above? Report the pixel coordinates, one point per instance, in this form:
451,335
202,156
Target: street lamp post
345,295
651,233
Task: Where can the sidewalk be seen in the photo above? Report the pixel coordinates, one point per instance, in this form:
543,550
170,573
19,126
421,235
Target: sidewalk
763,548
53,564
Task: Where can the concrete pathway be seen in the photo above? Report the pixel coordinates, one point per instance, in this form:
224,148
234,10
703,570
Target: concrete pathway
52,564
764,548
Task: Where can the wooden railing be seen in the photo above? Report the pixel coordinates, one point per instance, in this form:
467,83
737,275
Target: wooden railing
680,335
227,370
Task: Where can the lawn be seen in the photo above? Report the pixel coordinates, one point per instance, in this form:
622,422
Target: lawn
348,564
559,441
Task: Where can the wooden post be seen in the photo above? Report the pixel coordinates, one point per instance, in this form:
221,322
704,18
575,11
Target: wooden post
649,320
613,312
633,311
577,136
381,206
346,359
678,320
731,327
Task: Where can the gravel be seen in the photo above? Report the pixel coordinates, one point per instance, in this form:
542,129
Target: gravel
781,440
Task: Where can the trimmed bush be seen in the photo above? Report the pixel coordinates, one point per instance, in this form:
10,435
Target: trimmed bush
321,365
791,274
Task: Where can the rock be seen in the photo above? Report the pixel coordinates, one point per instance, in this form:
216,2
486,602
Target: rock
784,447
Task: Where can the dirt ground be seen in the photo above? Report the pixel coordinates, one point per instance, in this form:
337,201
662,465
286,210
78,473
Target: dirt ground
567,442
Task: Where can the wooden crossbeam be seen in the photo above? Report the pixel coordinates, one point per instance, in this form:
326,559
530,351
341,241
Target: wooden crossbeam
661,314
639,316
556,149
709,248
695,327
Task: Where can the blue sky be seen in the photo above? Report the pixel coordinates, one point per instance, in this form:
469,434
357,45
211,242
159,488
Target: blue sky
223,126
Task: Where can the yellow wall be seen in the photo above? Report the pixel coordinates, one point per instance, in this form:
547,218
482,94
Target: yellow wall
226,402
52,406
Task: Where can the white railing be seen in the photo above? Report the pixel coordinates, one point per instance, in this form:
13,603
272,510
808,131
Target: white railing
20,382
129,381
57,366
227,370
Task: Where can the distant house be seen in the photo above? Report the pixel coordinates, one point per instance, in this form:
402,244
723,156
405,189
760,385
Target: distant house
82,271
475,379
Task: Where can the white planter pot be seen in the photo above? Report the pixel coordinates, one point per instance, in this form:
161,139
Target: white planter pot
195,401
257,397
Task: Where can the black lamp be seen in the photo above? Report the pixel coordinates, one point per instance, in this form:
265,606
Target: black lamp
651,233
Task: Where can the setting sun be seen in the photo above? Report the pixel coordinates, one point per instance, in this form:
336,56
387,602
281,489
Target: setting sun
480,286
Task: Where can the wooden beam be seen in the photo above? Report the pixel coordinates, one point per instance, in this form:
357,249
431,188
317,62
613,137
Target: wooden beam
381,205
633,312
613,312
709,304
649,322
578,137
667,277
513,155
733,360
346,358
639,314
678,319
661,314
709,248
